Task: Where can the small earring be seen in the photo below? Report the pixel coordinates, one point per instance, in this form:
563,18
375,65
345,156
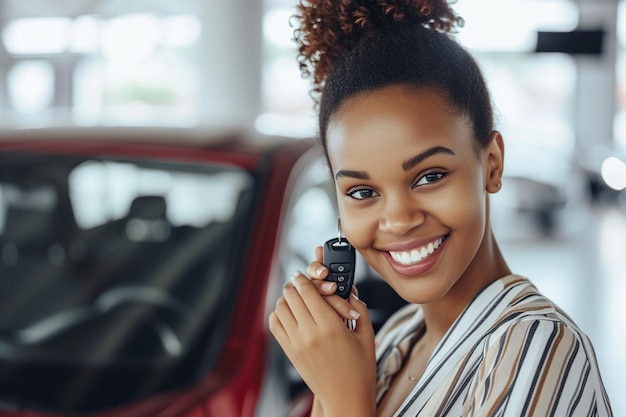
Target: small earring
499,185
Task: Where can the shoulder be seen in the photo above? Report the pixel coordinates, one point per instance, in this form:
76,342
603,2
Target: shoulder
532,325
544,363
533,336
539,336
536,345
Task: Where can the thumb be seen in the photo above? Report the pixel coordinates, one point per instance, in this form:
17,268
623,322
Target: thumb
319,254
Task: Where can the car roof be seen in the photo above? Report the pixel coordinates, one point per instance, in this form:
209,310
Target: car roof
239,147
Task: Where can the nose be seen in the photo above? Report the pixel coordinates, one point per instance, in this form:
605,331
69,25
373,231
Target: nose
400,216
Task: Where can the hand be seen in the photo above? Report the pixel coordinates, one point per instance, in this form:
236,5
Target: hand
317,271
337,364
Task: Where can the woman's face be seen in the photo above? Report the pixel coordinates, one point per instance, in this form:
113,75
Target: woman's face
411,188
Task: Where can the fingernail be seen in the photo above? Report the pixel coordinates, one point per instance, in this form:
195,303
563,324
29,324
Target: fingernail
355,296
354,314
295,274
327,286
319,270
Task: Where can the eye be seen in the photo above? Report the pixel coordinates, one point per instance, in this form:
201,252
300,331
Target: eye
429,178
362,193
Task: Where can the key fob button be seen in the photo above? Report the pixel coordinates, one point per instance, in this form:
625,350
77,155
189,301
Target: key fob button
339,257
340,267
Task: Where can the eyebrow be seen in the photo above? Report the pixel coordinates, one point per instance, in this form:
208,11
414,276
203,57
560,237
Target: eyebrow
435,150
360,175
406,165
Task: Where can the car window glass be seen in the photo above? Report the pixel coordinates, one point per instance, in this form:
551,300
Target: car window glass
102,191
106,263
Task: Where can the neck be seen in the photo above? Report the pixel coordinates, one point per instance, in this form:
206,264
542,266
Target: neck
487,267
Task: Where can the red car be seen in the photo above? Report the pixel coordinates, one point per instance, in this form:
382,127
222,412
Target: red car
138,267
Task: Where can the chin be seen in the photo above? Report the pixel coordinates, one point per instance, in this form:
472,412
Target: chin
417,292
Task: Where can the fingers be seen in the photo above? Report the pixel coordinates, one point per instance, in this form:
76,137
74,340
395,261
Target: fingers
324,287
328,288
343,307
319,254
290,314
302,294
277,329
289,309
316,270
282,321
301,305
364,326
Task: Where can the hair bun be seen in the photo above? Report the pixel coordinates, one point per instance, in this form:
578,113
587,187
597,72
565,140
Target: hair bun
329,27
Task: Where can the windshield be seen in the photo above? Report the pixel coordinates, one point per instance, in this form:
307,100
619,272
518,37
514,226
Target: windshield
117,269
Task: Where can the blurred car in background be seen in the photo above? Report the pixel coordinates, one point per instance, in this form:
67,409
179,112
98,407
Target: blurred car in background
545,193
138,267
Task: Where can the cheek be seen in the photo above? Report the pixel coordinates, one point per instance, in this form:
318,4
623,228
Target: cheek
464,211
358,227
460,207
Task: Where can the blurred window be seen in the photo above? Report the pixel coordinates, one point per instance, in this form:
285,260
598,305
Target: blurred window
533,96
103,191
30,86
511,25
132,69
287,106
37,35
620,119
40,198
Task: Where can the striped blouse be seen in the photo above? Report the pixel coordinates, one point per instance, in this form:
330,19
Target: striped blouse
511,352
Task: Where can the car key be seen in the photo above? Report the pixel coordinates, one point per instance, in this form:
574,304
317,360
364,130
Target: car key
339,258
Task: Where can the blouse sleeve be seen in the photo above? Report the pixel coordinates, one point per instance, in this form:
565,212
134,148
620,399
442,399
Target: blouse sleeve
538,367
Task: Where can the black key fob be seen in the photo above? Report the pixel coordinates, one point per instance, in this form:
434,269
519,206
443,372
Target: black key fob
339,258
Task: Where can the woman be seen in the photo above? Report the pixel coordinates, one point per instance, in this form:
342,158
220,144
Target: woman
406,122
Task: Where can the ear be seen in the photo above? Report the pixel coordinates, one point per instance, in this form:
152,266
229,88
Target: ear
494,162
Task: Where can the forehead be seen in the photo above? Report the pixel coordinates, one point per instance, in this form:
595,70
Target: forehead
396,118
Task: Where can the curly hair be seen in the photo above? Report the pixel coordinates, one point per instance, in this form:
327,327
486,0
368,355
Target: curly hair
329,27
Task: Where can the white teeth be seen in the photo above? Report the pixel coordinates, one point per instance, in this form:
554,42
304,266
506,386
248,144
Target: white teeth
405,258
416,255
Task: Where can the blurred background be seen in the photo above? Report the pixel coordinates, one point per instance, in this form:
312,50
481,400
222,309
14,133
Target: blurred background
556,70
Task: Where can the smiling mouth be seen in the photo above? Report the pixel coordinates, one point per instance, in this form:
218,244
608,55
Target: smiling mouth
417,255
